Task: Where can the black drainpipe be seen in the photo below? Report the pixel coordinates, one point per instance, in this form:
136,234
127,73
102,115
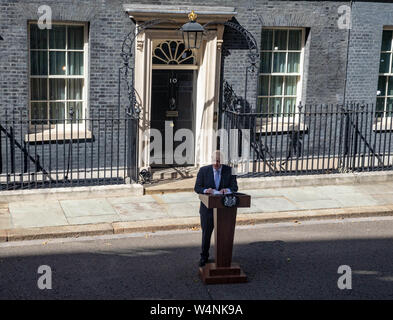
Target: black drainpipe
346,64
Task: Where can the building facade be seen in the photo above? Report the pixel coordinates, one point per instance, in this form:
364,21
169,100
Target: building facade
310,52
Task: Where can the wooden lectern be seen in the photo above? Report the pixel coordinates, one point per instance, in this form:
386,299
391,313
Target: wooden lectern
223,270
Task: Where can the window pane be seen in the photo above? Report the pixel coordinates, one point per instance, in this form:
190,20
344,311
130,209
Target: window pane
291,86
293,62
392,64
263,104
387,40
75,63
77,112
57,89
266,62
264,85
390,86
389,107
38,37
276,86
56,110
74,89
267,39
38,89
279,62
75,38
280,39
39,63
275,104
39,113
384,64
57,37
380,107
289,105
57,63
295,40
382,86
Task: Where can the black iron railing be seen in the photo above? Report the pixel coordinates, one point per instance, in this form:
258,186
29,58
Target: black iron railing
42,153
313,139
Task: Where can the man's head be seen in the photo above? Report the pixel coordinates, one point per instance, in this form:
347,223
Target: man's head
217,159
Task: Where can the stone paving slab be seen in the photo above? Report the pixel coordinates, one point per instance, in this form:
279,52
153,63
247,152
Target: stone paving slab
355,200
270,205
376,188
5,217
125,200
186,209
303,194
318,204
337,189
5,221
30,214
179,197
383,198
89,207
132,211
264,193
3,206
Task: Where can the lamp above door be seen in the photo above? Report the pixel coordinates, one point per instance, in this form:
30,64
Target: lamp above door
192,32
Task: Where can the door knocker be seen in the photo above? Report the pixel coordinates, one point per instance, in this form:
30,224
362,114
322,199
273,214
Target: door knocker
172,104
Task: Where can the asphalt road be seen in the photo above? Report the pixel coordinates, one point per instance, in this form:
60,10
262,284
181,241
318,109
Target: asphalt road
282,261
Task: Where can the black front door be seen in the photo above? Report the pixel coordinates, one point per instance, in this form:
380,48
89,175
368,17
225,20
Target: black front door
171,108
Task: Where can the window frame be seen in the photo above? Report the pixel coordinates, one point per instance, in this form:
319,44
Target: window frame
85,76
283,74
387,76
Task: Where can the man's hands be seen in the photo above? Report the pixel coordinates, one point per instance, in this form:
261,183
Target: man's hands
211,191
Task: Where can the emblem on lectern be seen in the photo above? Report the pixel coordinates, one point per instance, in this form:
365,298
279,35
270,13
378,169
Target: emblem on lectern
230,201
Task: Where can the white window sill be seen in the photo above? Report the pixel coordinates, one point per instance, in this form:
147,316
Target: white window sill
384,124
277,125
61,135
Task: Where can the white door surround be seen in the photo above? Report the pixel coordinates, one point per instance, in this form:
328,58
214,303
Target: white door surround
208,71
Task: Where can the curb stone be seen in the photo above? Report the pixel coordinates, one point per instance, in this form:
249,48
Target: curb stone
155,225
76,231
59,232
3,235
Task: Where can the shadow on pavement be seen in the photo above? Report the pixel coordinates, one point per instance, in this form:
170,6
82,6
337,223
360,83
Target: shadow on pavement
111,269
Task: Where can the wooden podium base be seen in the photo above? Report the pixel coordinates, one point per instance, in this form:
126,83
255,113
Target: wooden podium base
211,274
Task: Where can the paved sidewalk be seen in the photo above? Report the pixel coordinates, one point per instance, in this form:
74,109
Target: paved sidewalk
108,214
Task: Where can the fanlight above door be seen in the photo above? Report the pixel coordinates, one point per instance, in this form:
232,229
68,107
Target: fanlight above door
172,52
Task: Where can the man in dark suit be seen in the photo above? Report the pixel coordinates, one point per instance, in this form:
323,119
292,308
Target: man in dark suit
210,179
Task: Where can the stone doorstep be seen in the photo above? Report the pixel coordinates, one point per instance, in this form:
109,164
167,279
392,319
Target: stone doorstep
188,223
167,190
73,193
171,174
283,182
